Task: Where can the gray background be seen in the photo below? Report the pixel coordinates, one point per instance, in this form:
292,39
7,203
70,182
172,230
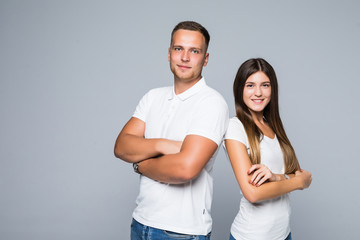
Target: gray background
72,72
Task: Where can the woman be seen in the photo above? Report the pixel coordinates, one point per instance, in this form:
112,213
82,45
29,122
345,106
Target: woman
263,160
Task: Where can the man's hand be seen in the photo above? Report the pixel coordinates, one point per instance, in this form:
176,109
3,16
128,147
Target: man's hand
131,145
169,146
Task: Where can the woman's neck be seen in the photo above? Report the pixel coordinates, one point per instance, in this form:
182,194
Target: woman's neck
257,116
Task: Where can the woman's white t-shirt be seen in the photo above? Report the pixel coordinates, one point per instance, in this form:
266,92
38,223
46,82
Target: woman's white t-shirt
269,219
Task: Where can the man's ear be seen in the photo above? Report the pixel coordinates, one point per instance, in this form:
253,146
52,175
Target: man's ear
206,59
169,55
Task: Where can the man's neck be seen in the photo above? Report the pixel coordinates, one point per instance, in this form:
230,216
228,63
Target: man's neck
182,86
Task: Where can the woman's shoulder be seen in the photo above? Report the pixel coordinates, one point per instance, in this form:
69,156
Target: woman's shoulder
235,122
236,130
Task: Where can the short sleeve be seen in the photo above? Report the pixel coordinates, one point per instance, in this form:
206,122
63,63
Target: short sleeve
143,107
236,131
210,120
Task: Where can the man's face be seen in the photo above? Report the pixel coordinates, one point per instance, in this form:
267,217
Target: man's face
187,55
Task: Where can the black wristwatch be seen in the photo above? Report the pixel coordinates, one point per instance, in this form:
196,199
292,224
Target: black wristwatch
136,168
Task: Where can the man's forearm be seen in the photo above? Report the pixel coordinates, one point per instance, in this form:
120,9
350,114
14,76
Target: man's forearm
183,166
167,168
131,148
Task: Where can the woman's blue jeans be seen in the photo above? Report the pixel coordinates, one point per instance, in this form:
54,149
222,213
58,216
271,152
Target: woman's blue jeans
142,232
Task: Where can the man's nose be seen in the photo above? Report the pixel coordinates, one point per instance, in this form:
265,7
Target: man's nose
185,57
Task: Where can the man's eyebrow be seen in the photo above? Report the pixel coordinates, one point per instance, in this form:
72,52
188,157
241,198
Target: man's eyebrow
197,48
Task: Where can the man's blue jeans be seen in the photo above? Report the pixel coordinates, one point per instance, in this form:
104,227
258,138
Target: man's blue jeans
287,238
142,232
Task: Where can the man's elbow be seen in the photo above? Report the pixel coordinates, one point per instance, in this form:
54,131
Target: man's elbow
187,173
185,177
118,153
120,148
121,154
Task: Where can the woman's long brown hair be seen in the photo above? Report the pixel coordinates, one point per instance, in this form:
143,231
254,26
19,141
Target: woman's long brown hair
271,114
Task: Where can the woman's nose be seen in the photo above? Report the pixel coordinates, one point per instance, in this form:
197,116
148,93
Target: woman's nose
258,91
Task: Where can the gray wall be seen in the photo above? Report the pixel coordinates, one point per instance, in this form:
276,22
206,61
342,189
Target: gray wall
72,72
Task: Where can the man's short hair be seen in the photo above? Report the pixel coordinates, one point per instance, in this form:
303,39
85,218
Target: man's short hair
192,26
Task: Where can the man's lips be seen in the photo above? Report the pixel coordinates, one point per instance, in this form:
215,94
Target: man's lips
183,67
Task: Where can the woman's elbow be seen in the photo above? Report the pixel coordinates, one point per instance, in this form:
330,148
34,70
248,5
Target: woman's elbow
251,199
251,195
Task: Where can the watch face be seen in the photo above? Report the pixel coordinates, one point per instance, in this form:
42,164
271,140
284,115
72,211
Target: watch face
136,166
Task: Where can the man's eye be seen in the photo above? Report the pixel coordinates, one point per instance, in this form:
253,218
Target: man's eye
196,51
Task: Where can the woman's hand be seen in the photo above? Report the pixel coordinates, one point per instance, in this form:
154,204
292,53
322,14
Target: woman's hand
306,178
261,173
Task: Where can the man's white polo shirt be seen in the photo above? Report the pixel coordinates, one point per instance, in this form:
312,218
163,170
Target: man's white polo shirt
182,208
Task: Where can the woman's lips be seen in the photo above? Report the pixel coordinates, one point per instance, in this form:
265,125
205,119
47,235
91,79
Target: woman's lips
257,100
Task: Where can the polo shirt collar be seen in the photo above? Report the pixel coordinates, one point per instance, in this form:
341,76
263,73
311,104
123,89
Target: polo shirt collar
190,92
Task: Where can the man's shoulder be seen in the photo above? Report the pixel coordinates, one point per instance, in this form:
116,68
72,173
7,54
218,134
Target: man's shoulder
213,91
156,92
210,93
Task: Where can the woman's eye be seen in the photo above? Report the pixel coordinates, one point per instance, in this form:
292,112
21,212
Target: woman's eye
249,85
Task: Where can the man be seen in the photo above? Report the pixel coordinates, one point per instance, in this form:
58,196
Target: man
172,141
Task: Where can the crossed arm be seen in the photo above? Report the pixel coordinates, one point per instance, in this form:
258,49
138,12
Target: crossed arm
241,163
162,159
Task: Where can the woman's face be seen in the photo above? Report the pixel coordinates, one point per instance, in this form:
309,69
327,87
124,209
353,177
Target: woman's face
257,92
